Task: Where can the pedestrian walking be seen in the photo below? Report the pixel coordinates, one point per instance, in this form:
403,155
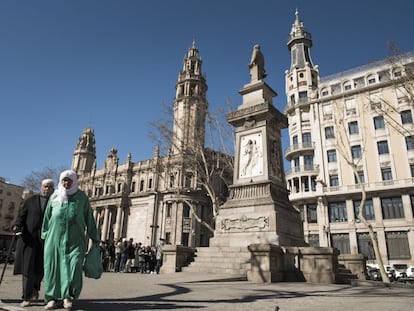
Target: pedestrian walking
67,217
29,246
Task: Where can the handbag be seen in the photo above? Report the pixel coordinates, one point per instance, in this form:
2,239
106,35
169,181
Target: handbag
93,264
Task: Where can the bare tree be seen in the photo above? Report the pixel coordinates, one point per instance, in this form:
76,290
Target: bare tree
33,181
207,155
401,79
343,146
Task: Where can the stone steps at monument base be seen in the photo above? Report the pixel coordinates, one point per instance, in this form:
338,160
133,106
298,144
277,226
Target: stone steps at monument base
217,260
344,275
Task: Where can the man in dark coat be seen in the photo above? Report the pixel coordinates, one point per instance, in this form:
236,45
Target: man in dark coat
29,246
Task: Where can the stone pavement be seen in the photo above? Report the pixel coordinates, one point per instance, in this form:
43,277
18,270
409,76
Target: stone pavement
195,291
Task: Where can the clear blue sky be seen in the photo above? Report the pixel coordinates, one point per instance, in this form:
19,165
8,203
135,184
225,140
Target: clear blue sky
109,64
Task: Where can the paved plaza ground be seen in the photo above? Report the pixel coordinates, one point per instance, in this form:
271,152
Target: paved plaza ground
195,291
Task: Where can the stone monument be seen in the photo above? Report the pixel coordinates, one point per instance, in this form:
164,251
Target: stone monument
258,210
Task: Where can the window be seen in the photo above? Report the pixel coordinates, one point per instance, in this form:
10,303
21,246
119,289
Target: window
353,127
412,170
295,141
329,132
168,237
186,210
297,166
386,173
327,110
169,209
308,161
333,180
379,122
331,156
150,183
184,239
371,80
325,93
350,104
303,97
397,245
188,179
365,245
141,185
356,152
382,147
406,117
341,242
292,99
312,214
313,240
337,212
172,180
313,183
307,139
134,184
347,87
392,208
119,187
368,211
412,203
409,142
361,177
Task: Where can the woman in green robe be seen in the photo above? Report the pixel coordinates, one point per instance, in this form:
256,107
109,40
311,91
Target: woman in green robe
68,215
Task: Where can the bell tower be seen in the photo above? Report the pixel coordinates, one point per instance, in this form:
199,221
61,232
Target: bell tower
83,161
190,104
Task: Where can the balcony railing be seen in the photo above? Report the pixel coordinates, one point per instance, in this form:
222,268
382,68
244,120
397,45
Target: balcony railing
307,145
308,169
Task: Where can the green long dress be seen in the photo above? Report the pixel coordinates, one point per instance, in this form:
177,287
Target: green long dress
66,244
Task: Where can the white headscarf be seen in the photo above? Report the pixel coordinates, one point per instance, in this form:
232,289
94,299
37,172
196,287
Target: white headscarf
61,193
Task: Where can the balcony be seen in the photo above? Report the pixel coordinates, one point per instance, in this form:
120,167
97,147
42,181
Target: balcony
294,149
302,170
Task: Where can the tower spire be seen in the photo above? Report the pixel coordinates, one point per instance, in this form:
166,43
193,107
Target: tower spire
299,44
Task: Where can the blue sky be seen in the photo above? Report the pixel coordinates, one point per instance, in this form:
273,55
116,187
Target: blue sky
110,64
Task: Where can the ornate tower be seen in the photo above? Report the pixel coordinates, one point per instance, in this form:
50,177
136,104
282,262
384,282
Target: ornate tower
83,161
302,110
302,79
190,104
258,209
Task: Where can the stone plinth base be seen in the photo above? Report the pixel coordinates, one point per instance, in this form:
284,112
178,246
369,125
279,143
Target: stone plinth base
175,257
267,263
272,263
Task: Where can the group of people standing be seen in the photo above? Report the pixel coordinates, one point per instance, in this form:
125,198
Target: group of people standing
52,243
127,256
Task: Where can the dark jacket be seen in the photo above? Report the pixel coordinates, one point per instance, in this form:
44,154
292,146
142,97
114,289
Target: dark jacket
29,246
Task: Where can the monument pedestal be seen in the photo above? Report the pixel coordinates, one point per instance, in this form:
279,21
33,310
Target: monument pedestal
257,213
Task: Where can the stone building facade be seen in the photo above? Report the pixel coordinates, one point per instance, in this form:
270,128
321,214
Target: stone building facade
370,107
150,199
11,197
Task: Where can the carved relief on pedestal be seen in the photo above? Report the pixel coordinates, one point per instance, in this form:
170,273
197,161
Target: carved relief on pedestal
251,156
244,223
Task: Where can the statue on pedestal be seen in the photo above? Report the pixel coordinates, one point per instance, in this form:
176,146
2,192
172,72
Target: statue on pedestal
256,66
